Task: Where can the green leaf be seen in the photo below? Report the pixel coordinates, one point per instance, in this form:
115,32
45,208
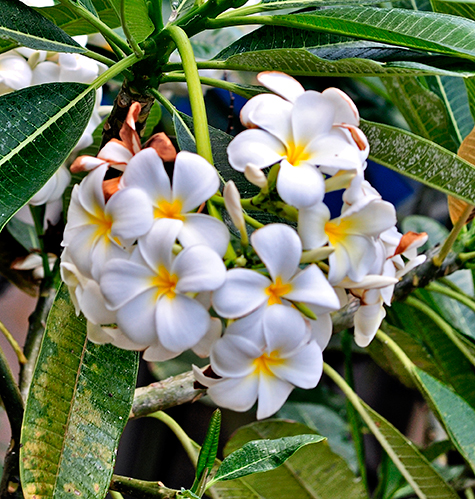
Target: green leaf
303,52
88,5
73,24
78,405
209,449
153,120
453,93
310,473
423,110
262,455
427,31
138,20
29,28
39,126
420,159
267,5
456,415
24,233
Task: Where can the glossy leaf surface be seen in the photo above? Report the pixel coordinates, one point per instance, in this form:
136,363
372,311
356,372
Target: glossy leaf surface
39,126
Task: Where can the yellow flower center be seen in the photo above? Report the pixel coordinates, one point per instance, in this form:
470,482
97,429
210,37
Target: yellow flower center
165,209
276,290
165,283
263,363
103,225
296,154
337,231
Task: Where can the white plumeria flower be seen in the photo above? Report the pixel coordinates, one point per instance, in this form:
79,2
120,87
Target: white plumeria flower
151,292
194,182
263,360
96,231
302,130
38,3
280,249
351,235
53,189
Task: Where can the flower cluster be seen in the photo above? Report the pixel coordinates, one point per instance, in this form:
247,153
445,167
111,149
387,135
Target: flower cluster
152,271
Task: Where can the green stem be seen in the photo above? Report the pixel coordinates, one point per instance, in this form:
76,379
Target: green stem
99,57
164,101
116,69
353,418
451,238
108,33
10,395
212,82
214,212
185,440
451,293
200,120
469,494
442,324
115,495
128,34
14,344
140,489
465,257
398,351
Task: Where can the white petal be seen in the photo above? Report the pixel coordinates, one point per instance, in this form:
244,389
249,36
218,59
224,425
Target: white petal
300,186
194,180
238,394
312,116
198,268
279,248
284,329
233,356
115,153
45,72
241,293
199,228
93,305
146,171
158,353
272,394
282,84
156,246
256,148
311,286
368,318
97,335
90,194
303,369
345,109
322,330
181,322
203,347
136,319
311,226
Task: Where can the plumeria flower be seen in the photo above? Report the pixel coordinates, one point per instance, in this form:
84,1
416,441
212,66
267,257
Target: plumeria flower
194,182
301,130
351,235
262,360
15,73
152,292
96,231
280,249
38,3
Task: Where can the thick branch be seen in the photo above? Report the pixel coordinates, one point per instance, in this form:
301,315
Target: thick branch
161,395
140,489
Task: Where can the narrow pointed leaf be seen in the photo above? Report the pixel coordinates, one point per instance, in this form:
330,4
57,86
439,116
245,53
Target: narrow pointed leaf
421,159
457,416
29,28
267,5
78,405
427,31
39,126
262,455
303,52
308,474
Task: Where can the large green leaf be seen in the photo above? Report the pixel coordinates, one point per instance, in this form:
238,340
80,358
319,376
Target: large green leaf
427,31
308,474
456,415
421,159
73,24
423,110
39,127
303,52
79,402
29,28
